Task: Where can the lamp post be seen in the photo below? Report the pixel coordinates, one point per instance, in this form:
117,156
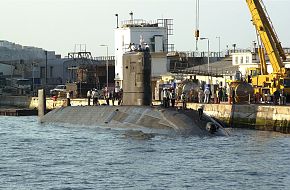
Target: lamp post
117,20
107,65
33,77
131,15
45,67
218,37
207,55
234,46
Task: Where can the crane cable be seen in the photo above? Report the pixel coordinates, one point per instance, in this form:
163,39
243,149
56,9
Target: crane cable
197,23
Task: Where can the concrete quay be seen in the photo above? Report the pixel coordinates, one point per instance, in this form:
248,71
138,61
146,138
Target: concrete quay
250,116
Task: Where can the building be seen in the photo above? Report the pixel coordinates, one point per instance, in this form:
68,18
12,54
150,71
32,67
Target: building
134,34
245,60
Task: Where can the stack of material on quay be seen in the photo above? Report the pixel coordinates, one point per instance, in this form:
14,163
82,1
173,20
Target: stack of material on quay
143,118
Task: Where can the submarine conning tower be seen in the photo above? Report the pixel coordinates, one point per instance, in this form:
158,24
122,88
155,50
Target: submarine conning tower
137,79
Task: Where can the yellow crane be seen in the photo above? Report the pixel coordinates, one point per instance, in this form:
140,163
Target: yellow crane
279,79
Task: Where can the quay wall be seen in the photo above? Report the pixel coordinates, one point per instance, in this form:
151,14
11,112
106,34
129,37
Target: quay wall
32,102
253,116
16,101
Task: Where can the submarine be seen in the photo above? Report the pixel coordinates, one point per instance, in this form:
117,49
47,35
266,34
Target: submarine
136,112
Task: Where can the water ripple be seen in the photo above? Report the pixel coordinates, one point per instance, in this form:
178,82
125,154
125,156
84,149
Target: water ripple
35,156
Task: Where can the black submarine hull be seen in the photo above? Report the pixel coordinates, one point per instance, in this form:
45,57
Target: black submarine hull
144,118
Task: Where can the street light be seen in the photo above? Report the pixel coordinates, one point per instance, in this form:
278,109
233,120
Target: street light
219,45
107,65
45,52
207,55
131,15
117,16
234,46
33,64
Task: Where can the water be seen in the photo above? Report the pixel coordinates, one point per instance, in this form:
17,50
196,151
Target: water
35,156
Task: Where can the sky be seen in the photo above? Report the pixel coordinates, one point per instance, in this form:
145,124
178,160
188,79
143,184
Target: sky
58,25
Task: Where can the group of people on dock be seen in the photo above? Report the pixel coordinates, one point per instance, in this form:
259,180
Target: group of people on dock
108,96
205,96
169,97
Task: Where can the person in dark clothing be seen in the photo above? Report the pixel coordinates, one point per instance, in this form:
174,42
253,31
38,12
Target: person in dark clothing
183,99
200,111
111,97
276,96
172,98
120,97
220,95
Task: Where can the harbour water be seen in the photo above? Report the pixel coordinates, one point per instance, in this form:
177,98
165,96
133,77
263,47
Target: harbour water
36,156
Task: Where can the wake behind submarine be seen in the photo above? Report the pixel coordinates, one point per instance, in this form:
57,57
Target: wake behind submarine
136,111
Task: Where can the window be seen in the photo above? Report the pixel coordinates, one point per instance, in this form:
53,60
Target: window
51,70
237,60
247,59
42,72
242,60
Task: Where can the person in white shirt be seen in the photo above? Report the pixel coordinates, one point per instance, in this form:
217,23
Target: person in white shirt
89,95
95,97
68,99
183,99
206,95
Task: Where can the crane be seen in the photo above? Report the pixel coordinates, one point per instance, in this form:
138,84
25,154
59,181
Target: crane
279,79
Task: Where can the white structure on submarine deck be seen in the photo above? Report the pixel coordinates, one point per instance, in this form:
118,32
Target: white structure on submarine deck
139,32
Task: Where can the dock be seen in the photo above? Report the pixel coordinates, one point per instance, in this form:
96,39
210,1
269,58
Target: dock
18,112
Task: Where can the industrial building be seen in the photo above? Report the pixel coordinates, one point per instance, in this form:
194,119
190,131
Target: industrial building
137,33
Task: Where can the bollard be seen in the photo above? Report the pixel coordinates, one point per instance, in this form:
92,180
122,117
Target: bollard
41,103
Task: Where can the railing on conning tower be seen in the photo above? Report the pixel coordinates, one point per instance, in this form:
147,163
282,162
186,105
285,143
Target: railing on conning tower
139,23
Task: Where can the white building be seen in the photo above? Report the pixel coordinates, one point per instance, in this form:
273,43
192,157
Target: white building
244,60
247,60
140,32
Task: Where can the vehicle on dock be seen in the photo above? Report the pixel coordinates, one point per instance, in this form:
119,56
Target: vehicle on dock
59,89
62,89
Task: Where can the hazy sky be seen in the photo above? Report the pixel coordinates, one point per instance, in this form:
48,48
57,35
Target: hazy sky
60,24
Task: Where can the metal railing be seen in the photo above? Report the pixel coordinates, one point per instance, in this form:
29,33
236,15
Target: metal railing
104,58
139,23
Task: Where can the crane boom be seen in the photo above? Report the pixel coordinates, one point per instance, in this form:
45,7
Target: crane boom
268,36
